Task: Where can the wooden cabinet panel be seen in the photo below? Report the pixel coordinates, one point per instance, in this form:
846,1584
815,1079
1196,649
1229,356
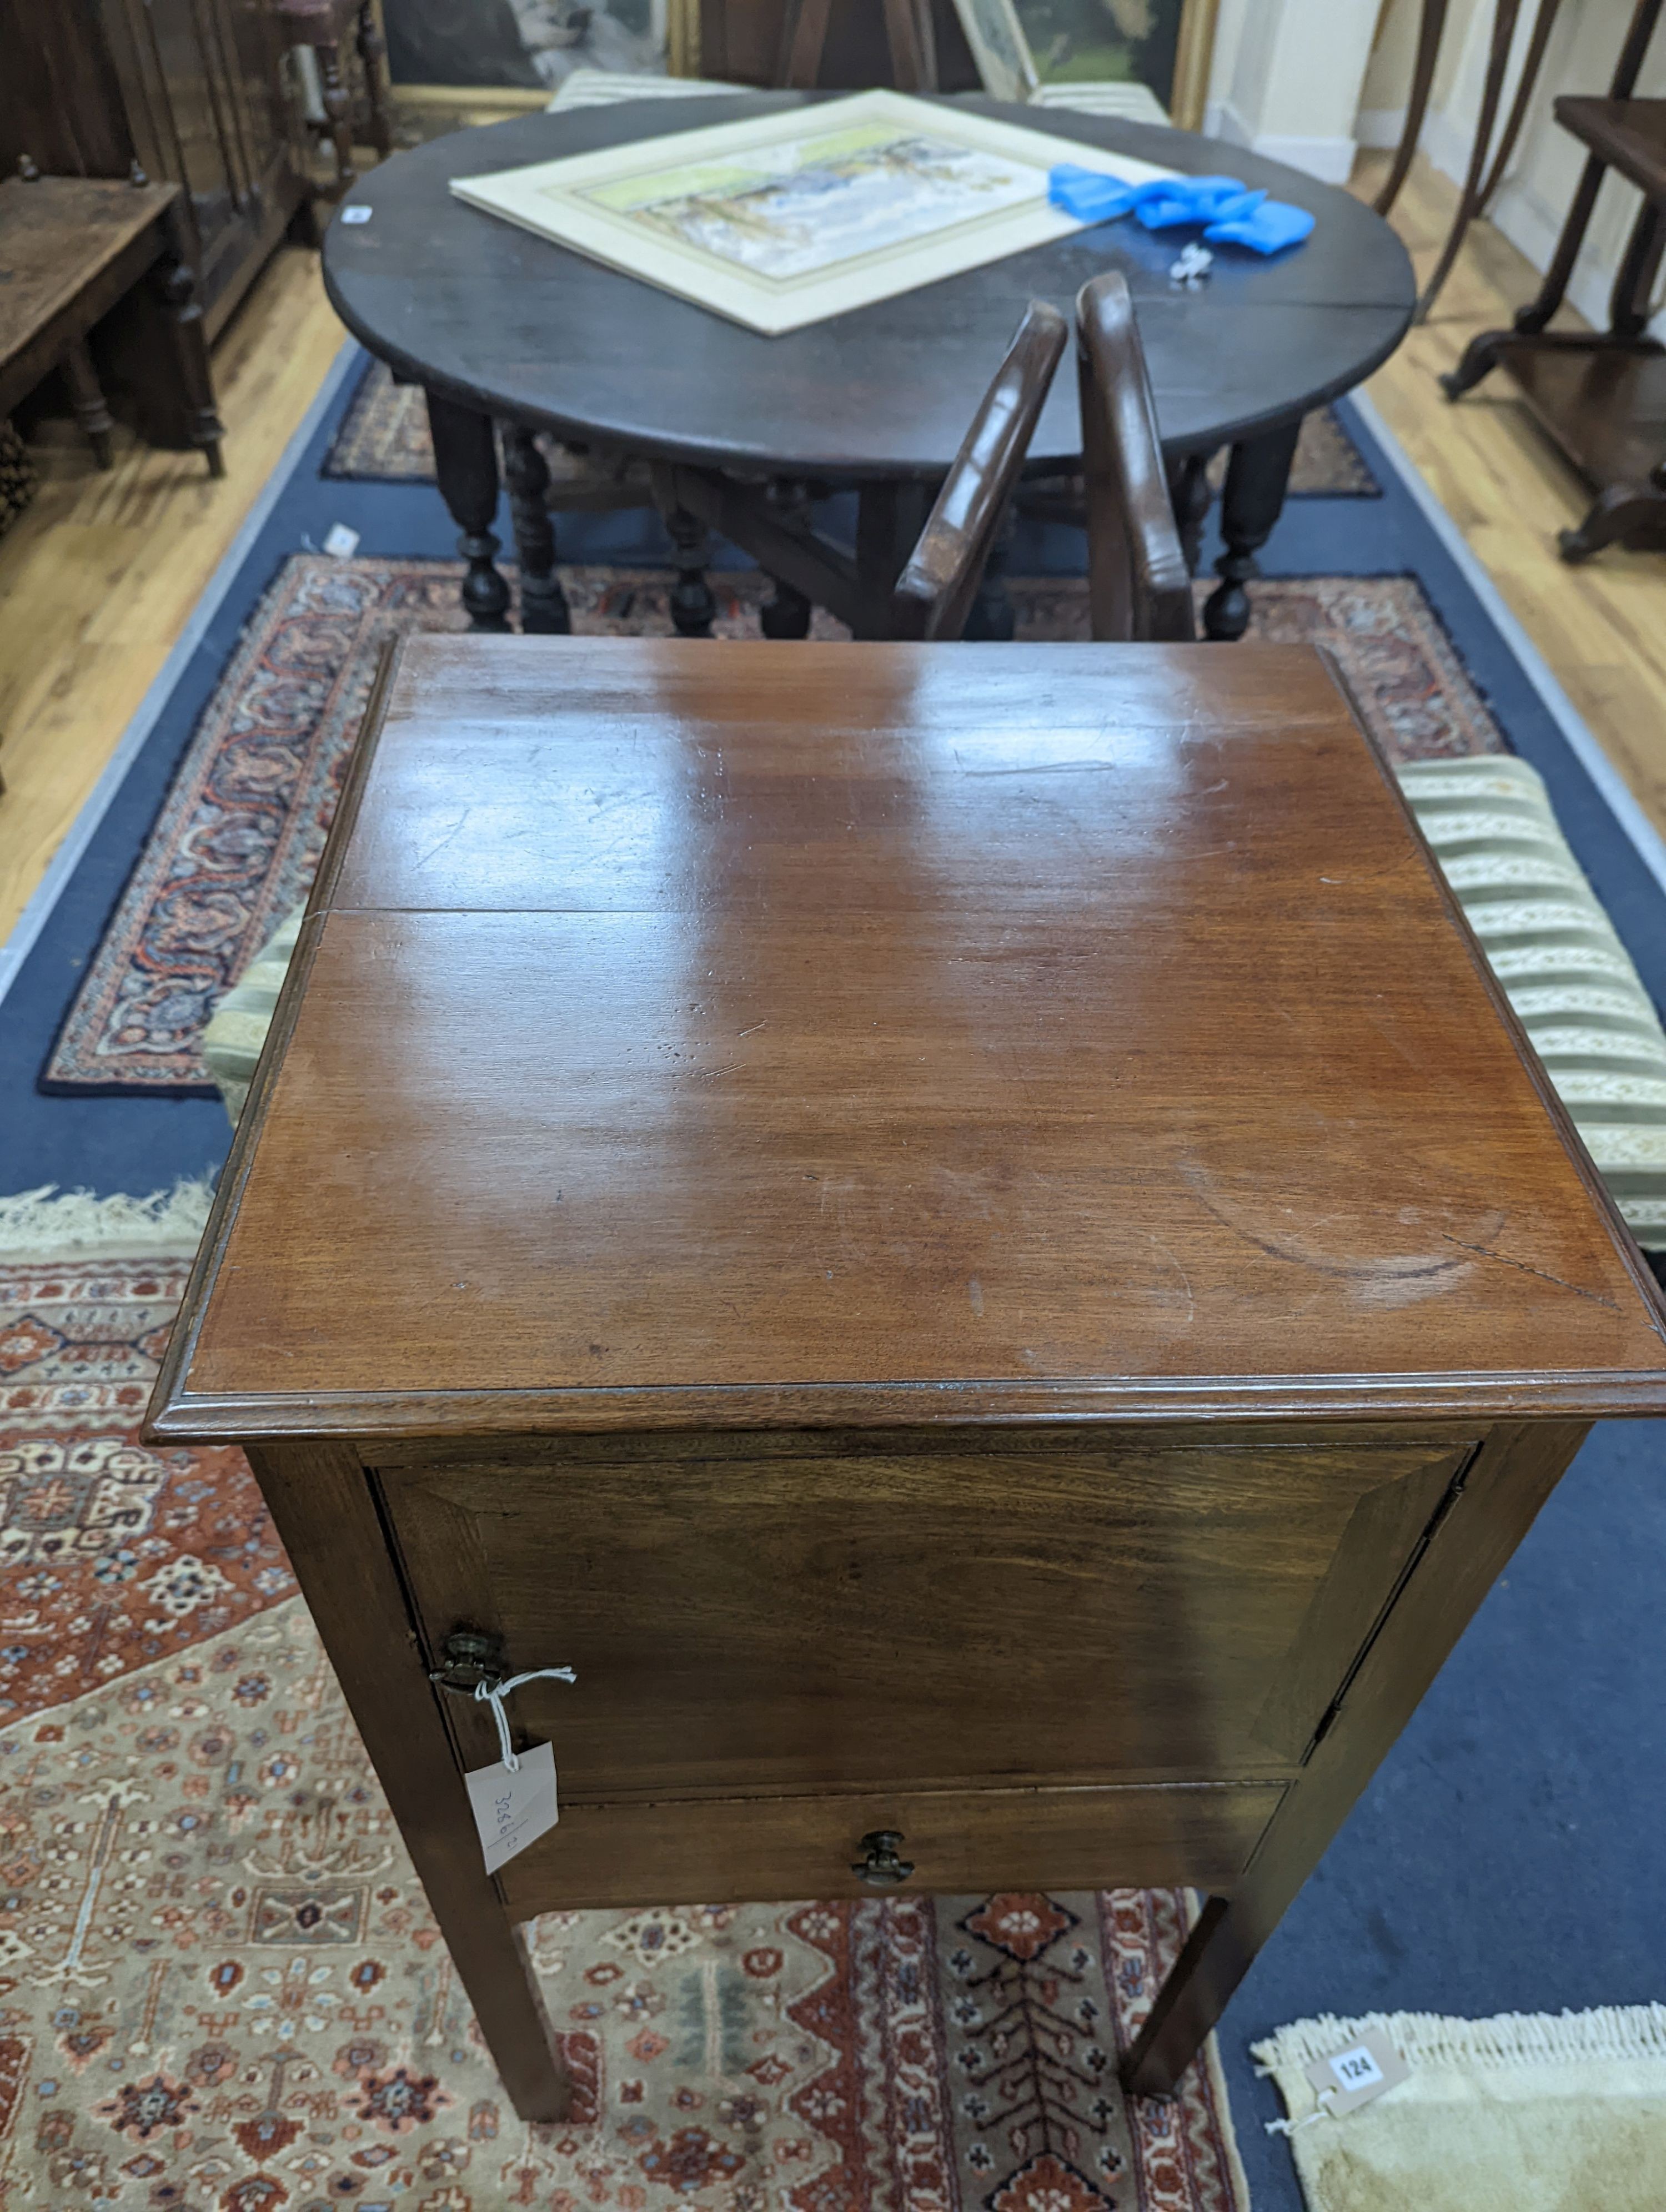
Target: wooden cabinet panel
729,1850
199,81
839,1622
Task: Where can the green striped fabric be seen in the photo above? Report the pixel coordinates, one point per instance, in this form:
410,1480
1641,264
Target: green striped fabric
237,1031
1563,969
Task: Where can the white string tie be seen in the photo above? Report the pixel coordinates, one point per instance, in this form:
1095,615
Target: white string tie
492,1694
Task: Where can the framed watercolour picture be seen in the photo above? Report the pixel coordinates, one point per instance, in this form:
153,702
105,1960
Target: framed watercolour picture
788,218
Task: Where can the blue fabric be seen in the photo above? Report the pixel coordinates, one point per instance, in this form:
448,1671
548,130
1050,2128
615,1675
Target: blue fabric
1168,202
1268,228
1088,194
1232,213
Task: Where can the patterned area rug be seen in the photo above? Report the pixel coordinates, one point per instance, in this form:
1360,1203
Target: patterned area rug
239,836
222,1990
383,439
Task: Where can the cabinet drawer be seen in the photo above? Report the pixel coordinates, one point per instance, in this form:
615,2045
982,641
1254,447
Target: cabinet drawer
824,1624
725,1850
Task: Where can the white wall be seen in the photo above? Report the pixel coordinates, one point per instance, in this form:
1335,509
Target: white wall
1286,78
1534,198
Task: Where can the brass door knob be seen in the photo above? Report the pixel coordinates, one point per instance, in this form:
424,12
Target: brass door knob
882,1867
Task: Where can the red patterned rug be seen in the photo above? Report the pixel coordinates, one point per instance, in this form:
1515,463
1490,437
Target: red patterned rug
383,439
238,839
222,1990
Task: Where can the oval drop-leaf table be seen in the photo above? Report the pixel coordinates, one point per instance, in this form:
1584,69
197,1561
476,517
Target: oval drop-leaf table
500,325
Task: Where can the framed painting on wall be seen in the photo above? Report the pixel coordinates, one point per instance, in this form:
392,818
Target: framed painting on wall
525,46
1165,44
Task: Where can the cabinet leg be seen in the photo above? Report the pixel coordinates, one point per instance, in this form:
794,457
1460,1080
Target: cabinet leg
1257,477
543,609
338,108
87,397
322,1504
176,285
465,467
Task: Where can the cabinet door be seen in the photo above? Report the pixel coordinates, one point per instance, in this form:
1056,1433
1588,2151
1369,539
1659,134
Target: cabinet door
200,82
848,1619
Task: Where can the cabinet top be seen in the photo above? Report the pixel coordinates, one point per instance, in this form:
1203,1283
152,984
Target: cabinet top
691,1035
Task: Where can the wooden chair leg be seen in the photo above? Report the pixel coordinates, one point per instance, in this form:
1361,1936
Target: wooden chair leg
1504,30
338,108
87,397
1429,29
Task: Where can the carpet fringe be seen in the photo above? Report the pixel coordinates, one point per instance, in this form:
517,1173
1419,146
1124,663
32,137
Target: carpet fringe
1510,2038
37,1225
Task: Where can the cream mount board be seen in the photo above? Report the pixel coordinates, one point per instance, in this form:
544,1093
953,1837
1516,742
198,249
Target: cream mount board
785,219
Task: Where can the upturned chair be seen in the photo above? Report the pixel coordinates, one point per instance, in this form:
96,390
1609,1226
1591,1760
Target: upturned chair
934,593
1138,585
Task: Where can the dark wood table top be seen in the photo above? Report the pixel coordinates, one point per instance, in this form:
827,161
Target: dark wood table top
773,1034
471,304
57,235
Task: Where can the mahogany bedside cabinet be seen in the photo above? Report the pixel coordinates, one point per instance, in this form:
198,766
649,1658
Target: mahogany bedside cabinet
961,1231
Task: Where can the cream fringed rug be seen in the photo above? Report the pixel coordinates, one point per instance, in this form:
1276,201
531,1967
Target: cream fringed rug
1528,2112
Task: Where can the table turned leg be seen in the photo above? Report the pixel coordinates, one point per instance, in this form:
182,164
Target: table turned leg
1191,495
465,467
176,289
693,609
87,397
543,609
786,613
1257,477
890,514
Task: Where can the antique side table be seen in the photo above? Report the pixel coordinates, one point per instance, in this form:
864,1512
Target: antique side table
70,248
962,1230
501,326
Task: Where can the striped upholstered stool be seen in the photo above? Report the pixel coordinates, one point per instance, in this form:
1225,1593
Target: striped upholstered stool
234,1037
1563,969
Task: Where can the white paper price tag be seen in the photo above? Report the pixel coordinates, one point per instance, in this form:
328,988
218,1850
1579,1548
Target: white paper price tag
1348,2078
513,1810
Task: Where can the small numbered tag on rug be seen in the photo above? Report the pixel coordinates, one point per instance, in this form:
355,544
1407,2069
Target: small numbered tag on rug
1351,2077
513,1810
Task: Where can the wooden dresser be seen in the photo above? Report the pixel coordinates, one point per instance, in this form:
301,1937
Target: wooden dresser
960,1230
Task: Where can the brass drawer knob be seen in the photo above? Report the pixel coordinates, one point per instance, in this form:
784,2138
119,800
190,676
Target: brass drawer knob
882,1867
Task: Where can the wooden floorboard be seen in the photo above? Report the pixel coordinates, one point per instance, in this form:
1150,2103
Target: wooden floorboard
1601,627
99,577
